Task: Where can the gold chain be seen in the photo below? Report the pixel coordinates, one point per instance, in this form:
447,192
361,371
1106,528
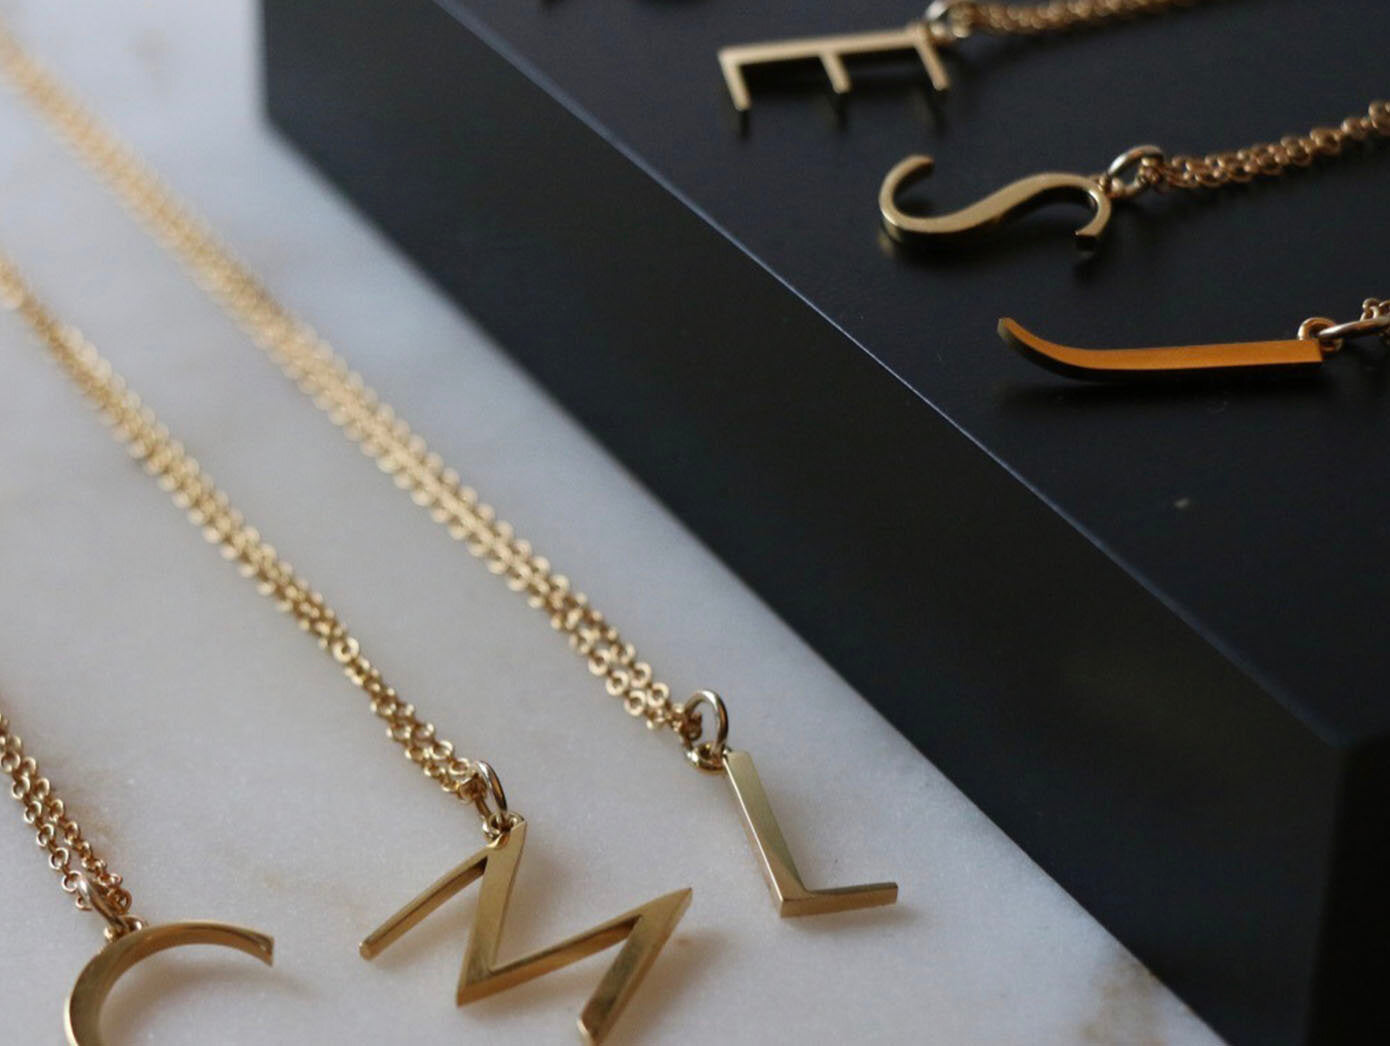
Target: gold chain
191,489
95,886
959,19
963,18
1266,159
327,380
1374,320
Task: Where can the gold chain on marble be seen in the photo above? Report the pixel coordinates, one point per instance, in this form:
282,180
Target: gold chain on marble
1265,159
93,885
959,19
191,489
325,377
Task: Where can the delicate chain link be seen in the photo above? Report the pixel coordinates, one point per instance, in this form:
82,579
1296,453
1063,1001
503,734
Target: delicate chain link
341,393
1377,310
1267,159
965,17
1373,321
191,489
59,834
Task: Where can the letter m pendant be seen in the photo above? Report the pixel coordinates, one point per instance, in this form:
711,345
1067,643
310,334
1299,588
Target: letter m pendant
642,932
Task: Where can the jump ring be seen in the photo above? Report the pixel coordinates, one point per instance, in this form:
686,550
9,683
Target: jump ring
118,923
942,18
706,755
1116,187
494,792
1316,328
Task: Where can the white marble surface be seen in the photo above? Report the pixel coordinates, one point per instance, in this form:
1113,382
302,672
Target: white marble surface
232,774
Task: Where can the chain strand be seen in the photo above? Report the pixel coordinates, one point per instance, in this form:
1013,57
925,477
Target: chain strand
1374,320
966,17
1266,159
338,391
57,833
191,489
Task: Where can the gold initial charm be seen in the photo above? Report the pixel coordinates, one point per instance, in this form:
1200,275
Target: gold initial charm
94,984
1128,175
831,52
643,931
789,893
1018,198
1303,353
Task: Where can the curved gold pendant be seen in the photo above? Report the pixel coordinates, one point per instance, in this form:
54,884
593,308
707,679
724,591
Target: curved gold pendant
98,977
1173,362
1018,198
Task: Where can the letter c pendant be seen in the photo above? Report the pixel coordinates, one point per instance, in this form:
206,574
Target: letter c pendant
94,984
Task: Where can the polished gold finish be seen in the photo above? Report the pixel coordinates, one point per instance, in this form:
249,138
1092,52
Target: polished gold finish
945,23
1129,175
333,387
99,890
789,893
1317,339
643,932
1134,364
1022,196
94,984
831,52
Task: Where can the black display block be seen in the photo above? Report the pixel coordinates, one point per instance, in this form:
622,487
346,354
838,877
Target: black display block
1144,629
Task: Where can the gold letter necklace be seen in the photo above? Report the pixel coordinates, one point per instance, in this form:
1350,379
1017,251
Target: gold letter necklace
98,889
945,24
642,931
330,384
1129,175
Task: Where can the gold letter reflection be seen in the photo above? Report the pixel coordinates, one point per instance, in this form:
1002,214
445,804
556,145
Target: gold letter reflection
775,857
100,975
644,930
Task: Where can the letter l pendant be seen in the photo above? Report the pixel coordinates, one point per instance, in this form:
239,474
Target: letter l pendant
789,893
